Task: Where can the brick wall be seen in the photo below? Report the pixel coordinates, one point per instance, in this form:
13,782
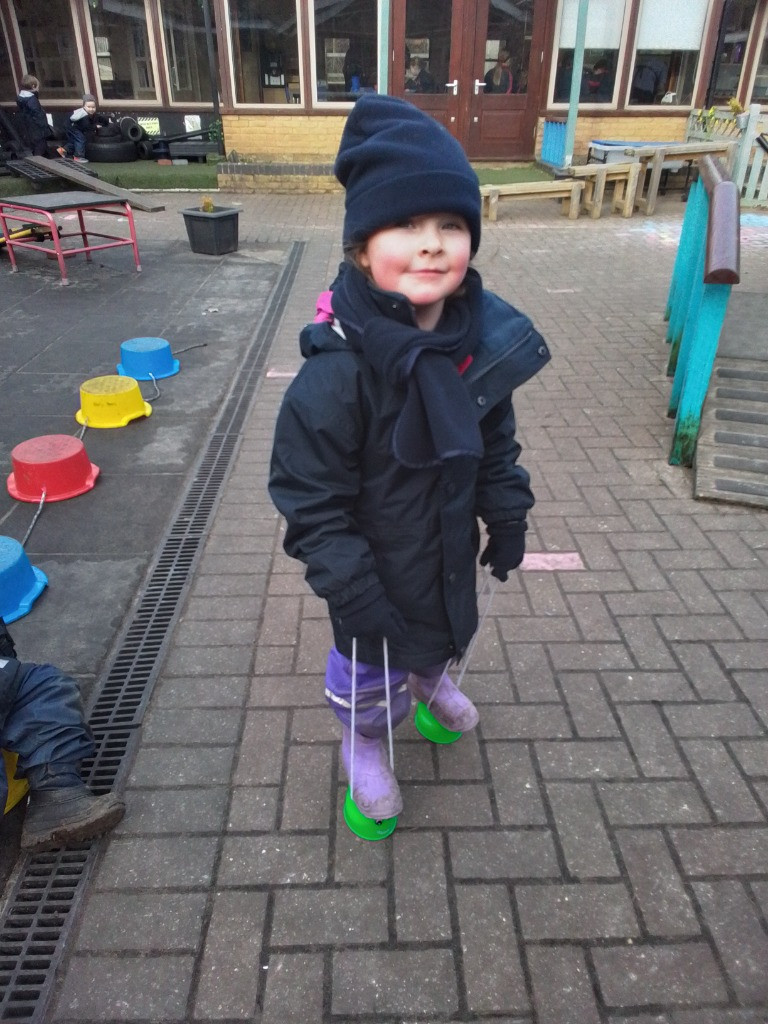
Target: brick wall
283,139
295,153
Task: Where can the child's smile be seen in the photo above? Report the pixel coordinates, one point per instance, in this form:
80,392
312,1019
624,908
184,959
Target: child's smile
425,259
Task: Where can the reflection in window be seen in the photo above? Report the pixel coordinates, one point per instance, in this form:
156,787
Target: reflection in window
7,85
266,51
187,50
345,48
49,47
427,46
601,50
667,54
122,49
508,47
730,57
760,88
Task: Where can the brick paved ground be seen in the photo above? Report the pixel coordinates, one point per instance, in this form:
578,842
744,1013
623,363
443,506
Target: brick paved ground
597,851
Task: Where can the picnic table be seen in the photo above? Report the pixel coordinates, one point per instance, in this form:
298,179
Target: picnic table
655,157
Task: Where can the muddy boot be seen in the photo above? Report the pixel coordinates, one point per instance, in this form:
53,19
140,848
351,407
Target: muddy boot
376,792
452,708
63,810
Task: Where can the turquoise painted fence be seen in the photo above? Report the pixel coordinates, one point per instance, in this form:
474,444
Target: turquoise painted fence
706,266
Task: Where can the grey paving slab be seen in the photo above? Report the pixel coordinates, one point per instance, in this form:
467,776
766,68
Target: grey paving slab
594,853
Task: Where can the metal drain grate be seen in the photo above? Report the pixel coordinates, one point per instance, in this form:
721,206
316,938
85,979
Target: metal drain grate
35,926
40,907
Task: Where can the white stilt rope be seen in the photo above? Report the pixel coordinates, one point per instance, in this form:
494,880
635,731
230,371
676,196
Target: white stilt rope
388,697
352,719
488,591
353,713
35,517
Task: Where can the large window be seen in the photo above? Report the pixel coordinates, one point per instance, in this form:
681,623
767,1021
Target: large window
7,85
186,47
667,53
345,48
265,51
427,46
508,47
122,49
601,50
760,88
730,57
49,46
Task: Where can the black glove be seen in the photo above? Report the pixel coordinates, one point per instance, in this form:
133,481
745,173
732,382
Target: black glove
369,614
505,548
7,650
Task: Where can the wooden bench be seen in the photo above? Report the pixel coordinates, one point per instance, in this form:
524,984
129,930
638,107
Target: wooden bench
564,188
625,177
654,157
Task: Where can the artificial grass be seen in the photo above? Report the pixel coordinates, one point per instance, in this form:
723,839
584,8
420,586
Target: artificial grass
147,174
138,174
508,175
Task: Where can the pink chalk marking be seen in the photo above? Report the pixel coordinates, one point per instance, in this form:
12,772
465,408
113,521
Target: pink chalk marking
561,561
281,374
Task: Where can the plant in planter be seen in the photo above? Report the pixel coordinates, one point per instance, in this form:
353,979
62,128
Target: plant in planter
212,230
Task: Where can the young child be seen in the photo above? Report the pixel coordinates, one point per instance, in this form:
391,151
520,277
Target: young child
398,432
41,720
35,128
84,123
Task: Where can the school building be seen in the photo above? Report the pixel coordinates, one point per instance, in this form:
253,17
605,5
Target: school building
282,74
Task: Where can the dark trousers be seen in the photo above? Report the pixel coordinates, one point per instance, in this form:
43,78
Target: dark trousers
41,718
76,141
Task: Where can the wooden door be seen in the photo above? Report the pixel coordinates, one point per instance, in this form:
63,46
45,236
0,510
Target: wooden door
427,57
503,80
444,51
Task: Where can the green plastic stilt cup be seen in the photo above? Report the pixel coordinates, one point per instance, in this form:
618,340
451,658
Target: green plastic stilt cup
430,728
366,828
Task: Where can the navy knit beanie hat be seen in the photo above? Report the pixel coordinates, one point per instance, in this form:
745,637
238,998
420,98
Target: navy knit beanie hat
396,162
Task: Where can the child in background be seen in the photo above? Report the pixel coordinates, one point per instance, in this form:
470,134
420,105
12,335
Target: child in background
35,128
84,124
41,720
398,432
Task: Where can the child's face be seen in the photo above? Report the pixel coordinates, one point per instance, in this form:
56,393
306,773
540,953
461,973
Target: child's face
424,258
90,107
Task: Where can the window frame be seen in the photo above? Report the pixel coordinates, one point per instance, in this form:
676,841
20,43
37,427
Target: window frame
132,101
616,101
327,106
281,108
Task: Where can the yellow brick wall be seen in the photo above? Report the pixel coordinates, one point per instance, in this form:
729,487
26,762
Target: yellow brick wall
633,129
295,139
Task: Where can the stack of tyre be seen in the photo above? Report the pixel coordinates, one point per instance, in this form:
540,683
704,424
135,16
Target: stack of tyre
117,143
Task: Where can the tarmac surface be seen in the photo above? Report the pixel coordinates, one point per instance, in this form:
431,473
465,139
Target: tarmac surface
595,851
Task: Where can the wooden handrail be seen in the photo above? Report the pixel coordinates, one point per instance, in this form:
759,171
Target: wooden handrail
722,262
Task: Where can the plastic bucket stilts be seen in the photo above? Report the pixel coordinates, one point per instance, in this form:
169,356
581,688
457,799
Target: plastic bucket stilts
54,464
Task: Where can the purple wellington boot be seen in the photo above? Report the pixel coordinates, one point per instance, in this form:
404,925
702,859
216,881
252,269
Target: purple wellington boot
375,792
452,709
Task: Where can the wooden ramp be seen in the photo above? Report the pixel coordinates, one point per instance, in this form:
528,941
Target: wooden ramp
732,448
63,170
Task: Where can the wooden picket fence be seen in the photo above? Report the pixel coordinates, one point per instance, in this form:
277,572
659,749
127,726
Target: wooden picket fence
751,131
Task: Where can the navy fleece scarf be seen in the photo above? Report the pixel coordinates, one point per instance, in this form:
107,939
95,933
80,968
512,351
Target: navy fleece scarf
437,421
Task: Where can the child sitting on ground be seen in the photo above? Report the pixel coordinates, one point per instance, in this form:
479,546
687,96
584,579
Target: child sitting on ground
41,720
398,432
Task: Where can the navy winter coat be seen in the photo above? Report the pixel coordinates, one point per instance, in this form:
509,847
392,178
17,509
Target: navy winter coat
32,117
355,516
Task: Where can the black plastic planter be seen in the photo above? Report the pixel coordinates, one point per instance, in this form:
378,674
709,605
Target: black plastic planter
214,232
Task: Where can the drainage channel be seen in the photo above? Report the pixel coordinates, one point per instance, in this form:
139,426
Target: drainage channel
43,900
